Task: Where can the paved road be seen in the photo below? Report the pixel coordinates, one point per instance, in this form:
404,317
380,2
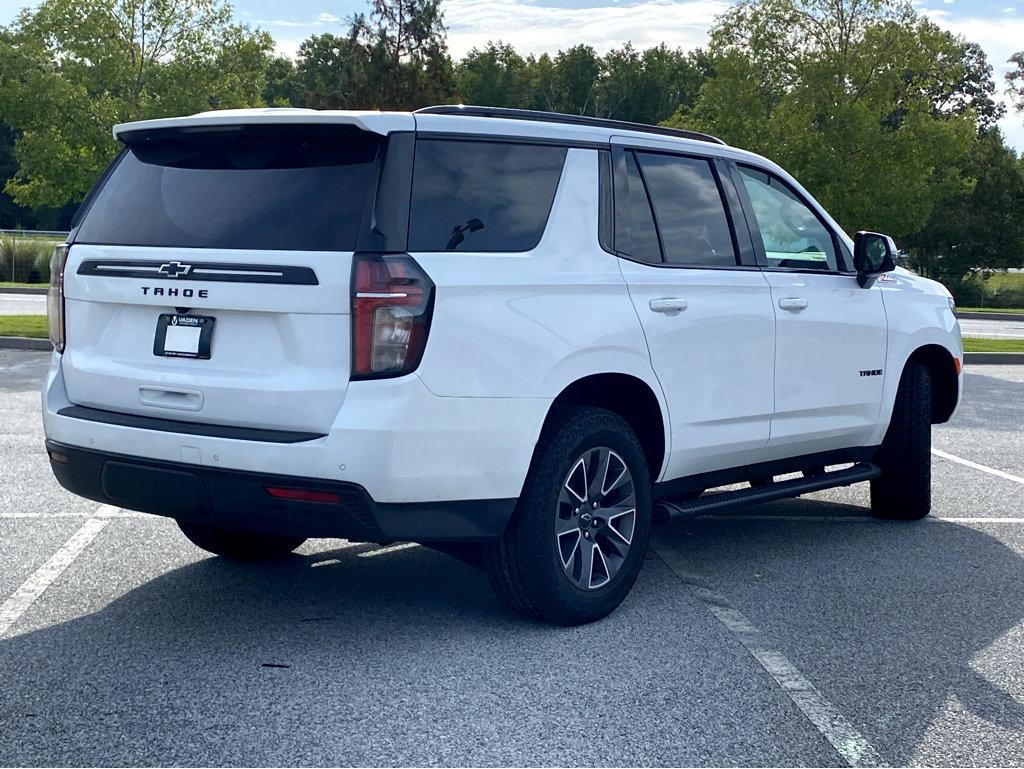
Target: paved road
993,329
751,639
22,304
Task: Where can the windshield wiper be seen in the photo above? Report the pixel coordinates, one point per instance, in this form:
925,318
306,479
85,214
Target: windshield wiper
459,233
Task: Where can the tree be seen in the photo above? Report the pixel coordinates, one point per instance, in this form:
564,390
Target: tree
974,92
70,70
1015,80
282,87
865,102
407,52
647,86
495,76
982,228
576,73
331,72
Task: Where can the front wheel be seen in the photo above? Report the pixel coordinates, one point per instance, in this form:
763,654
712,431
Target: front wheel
579,533
239,545
904,489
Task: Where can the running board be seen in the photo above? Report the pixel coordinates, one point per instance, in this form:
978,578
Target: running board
729,500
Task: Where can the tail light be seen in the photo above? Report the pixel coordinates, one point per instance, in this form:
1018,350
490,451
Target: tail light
392,299
55,296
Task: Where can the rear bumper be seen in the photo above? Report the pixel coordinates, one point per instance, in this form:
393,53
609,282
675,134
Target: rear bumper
238,499
393,438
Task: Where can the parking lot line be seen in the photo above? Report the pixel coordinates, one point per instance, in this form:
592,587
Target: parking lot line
114,513
851,519
29,591
976,466
850,744
389,549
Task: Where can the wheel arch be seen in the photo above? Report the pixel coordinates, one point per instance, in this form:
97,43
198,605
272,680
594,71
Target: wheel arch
631,398
944,374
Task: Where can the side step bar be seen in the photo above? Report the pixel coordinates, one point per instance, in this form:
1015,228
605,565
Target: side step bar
729,500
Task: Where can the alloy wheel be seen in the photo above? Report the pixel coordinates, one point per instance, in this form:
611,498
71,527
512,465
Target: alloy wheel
595,518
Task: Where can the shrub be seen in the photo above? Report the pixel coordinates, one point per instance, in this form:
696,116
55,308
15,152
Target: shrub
25,259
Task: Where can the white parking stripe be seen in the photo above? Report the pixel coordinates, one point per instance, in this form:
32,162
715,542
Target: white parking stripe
850,744
115,513
21,599
850,519
976,466
386,550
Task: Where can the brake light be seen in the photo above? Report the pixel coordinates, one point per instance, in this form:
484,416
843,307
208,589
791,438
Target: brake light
392,299
55,296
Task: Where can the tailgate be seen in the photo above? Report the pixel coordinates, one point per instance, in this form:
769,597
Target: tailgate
279,350
209,278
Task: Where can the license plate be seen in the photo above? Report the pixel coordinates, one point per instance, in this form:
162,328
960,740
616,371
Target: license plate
183,336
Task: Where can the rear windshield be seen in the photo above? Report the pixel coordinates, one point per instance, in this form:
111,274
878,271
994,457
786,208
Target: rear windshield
482,196
303,190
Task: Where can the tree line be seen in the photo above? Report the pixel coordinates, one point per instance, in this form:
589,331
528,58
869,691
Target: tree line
887,119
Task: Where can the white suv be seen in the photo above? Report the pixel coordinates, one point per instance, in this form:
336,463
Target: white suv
528,332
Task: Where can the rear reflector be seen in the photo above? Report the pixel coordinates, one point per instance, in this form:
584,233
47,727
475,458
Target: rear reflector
57,456
957,365
303,495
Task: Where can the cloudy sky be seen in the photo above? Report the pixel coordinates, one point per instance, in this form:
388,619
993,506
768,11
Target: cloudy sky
536,26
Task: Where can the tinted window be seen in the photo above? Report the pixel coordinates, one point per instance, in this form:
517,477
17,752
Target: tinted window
792,234
605,196
691,216
635,234
481,196
300,191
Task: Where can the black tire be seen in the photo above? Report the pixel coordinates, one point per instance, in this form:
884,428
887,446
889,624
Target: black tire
239,545
525,565
904,489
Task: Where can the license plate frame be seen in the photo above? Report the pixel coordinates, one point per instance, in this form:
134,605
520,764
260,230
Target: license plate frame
191,336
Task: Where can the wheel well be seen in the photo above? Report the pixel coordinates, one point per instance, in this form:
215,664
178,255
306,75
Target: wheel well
944,376
630,398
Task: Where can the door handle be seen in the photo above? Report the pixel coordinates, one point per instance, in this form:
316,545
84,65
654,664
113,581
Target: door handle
793,304
668,306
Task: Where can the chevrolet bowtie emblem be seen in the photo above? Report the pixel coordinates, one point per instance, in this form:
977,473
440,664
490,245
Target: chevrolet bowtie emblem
174,269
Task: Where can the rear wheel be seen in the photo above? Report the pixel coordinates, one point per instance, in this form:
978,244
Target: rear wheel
239,545
904,489
579,534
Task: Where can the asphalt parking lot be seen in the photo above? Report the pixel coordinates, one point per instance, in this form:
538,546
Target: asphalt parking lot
800,633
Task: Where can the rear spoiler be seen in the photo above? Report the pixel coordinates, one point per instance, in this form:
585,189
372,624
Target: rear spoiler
376,122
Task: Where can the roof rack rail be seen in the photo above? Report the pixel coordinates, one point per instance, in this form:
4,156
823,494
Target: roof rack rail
561,117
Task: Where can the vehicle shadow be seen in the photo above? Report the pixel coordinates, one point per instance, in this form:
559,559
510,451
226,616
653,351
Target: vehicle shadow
343,657
910,628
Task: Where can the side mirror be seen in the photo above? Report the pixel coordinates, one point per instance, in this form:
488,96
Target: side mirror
873,254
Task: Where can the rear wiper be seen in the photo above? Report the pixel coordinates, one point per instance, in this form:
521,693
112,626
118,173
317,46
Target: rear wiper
459,233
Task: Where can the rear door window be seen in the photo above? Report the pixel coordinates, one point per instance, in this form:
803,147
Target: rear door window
690,213
481,195
635,233
300,190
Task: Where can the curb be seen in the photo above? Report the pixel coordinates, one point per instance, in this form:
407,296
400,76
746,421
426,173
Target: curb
994,358
13,290
990,315
24,343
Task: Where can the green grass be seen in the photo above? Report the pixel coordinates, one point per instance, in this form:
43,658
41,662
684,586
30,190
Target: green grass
9,284
974,344
24,325
1018,310
1002,291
